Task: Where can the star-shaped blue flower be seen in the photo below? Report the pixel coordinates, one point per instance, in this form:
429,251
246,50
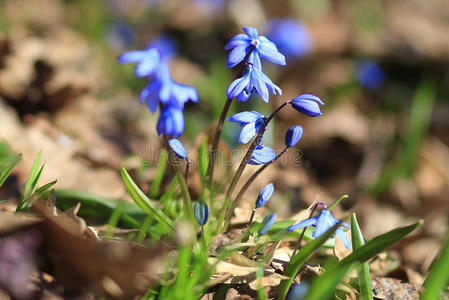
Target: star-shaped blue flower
251,122
262,155
254,80
323,222
242,44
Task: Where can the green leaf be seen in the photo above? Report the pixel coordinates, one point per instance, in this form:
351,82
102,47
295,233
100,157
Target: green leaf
160,171
358,241
144,202
300,258
31,184
337,202
324,285
438,277
203,159
9,166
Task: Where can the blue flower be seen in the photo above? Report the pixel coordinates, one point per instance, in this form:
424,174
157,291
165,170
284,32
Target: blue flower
147,60
323,222
201,212
291,37
171,121
178,148
369,74
298,291
254,80
251,122
308,105
166,46
293,135
242,44
267,222
163,90
265,195
262,155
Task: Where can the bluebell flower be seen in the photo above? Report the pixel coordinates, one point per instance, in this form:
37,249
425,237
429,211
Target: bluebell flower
242,44
166,46
265,195
291,37
178,148
293,135
171,121
323,222
298,291
253,80
147,60
163,90
201,212
261,155
267,222
251,122
369,74
308,105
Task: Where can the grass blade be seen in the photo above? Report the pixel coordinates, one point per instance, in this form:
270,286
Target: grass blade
7,169
438,276
160,171
323,286
366,292
299,259
144,202
31,184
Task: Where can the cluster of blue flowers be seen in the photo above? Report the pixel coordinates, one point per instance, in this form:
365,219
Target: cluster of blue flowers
162,91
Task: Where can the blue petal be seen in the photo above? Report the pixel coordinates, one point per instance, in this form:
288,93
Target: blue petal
254,59
238,40
343,237
270,85
171,122
269,51
322,224
262,155
238,85
148,64
259,85
149,95
302,224
201,212
183,93
247,133
178,148
265,195
243,96
267,222
131,56
246,117
293,135
311,97
251,32
307,107
237,55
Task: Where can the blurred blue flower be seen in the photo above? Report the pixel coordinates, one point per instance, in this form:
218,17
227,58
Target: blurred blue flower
178,148
119,35
251,122
262,155
265,195
147,60
323,222
171,121
308,105
293,135
369,74
242,44
253,81
267,222
291,37
201,212
298,291
166,46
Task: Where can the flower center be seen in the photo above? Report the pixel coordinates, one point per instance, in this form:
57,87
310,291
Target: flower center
255,43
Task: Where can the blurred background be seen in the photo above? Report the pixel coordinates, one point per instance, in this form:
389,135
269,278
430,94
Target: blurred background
380,66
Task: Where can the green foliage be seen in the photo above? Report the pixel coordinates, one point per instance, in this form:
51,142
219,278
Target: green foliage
160,171
7,165
144,202
358,241
438,277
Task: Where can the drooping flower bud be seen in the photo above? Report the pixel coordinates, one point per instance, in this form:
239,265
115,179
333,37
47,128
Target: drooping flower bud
201,211
293,136
267,223
265,195
178,148
308,105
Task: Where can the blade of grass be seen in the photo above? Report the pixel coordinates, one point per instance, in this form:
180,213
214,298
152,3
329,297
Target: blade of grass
113,220
31,183
203,159
324,285
358,241
160,171
438,277
299,259
7,169
144,202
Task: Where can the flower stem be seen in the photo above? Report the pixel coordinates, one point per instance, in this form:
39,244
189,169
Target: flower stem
242,166
252,217
247,184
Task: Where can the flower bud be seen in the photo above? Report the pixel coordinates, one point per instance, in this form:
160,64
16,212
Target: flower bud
178,148
201,211
265,195
267,223
293,135
308,105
